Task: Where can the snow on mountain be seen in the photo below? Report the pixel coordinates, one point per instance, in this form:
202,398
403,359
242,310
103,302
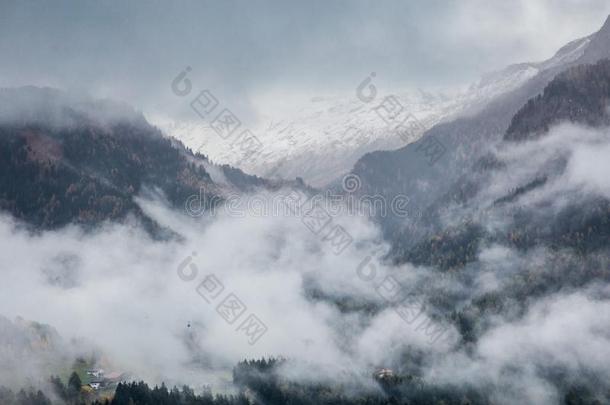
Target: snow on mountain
319,141
323,138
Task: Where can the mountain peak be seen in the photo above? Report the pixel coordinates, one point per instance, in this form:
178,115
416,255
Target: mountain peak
606,26
598,47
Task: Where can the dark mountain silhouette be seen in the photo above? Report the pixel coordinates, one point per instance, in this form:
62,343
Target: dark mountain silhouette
430,180
64,159
580,94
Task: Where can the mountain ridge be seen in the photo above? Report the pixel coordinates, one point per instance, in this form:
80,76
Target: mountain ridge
68,160
410,171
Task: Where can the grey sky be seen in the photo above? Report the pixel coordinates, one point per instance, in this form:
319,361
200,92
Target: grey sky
132,50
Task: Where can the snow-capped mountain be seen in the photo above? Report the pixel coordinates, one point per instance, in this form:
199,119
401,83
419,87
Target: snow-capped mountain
433,168
322,139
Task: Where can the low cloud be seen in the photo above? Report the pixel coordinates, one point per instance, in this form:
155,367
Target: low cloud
123,293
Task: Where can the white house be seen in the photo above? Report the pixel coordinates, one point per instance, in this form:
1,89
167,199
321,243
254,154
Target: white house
383,373
95,385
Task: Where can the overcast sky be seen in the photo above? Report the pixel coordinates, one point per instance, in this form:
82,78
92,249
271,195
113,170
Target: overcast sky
240,49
